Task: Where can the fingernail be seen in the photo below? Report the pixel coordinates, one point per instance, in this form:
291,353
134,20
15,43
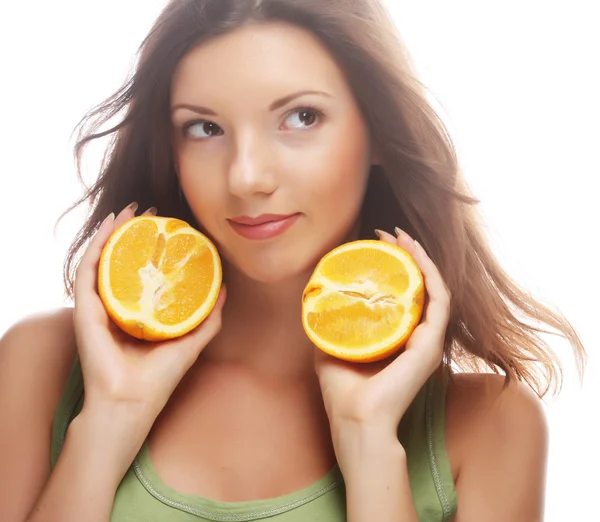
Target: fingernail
379,233
419,246
151,210
399,233
110,217
132,206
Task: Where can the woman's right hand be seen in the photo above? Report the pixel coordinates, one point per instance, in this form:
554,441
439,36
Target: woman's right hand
120,372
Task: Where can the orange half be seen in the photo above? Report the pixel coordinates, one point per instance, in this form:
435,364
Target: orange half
158,277
363,301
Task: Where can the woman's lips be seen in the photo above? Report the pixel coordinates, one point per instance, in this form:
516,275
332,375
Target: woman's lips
265,226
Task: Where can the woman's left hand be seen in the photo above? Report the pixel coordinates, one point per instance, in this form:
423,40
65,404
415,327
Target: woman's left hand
372,398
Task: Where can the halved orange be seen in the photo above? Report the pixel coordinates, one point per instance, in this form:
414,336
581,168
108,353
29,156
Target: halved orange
158,277
363,301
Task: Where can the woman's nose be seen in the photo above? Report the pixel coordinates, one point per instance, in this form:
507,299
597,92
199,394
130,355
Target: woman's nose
250,171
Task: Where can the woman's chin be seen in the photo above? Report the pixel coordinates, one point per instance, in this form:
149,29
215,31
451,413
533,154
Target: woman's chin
277,264
269,270
276,275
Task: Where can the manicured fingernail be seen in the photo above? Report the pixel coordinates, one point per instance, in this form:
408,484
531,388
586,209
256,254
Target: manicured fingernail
132,206
151,210
419,245
400,233
110,217
379,233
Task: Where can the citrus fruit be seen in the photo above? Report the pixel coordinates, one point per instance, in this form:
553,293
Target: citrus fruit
158,277
363,301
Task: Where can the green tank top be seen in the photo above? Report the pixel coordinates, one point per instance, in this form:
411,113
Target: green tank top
143,497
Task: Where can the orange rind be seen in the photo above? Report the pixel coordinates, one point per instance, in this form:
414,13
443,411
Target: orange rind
158,277
363,301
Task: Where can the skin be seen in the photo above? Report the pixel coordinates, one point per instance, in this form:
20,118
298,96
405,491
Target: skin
256,160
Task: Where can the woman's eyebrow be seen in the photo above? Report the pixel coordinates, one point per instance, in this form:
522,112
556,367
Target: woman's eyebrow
277,104
194,108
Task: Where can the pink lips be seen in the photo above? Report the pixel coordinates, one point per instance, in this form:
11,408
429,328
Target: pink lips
264,226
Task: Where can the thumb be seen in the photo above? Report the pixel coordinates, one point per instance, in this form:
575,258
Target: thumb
198,338
186,349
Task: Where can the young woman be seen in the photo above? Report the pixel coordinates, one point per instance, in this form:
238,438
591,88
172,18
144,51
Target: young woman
298,110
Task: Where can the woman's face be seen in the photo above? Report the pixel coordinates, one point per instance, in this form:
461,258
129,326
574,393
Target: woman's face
272,151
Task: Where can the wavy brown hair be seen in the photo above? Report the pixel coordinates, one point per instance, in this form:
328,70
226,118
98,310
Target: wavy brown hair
495,325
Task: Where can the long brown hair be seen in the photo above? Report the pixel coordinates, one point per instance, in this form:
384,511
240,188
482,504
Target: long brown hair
418,186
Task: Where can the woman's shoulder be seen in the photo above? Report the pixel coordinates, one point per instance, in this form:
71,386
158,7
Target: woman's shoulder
51,332
496,436
39,350
483,401
54,325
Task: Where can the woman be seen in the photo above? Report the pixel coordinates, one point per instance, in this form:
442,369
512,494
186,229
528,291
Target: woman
307,110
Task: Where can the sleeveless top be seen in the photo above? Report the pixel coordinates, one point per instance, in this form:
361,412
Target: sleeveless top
142,496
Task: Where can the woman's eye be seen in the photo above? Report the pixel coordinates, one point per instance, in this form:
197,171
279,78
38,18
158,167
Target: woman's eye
302,118
202,130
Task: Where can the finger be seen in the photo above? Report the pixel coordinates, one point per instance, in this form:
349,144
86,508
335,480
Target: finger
438,306
171,360
385,236
126,214
87,271
152,211
405,241
402,239
328,368
437,292
189,346
86,275
404,376
323,362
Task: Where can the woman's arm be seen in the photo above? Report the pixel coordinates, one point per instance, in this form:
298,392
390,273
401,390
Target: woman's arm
126,387
36,356
498,438
98,449
500,441
376,477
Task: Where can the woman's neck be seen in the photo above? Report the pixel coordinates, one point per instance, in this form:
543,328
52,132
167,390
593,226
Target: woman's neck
262,327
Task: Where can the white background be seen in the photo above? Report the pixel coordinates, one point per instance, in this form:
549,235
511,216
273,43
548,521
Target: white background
518,81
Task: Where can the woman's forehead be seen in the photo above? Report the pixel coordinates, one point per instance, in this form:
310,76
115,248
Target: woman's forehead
273,59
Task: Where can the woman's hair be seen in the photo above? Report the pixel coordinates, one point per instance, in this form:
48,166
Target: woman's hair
494,324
